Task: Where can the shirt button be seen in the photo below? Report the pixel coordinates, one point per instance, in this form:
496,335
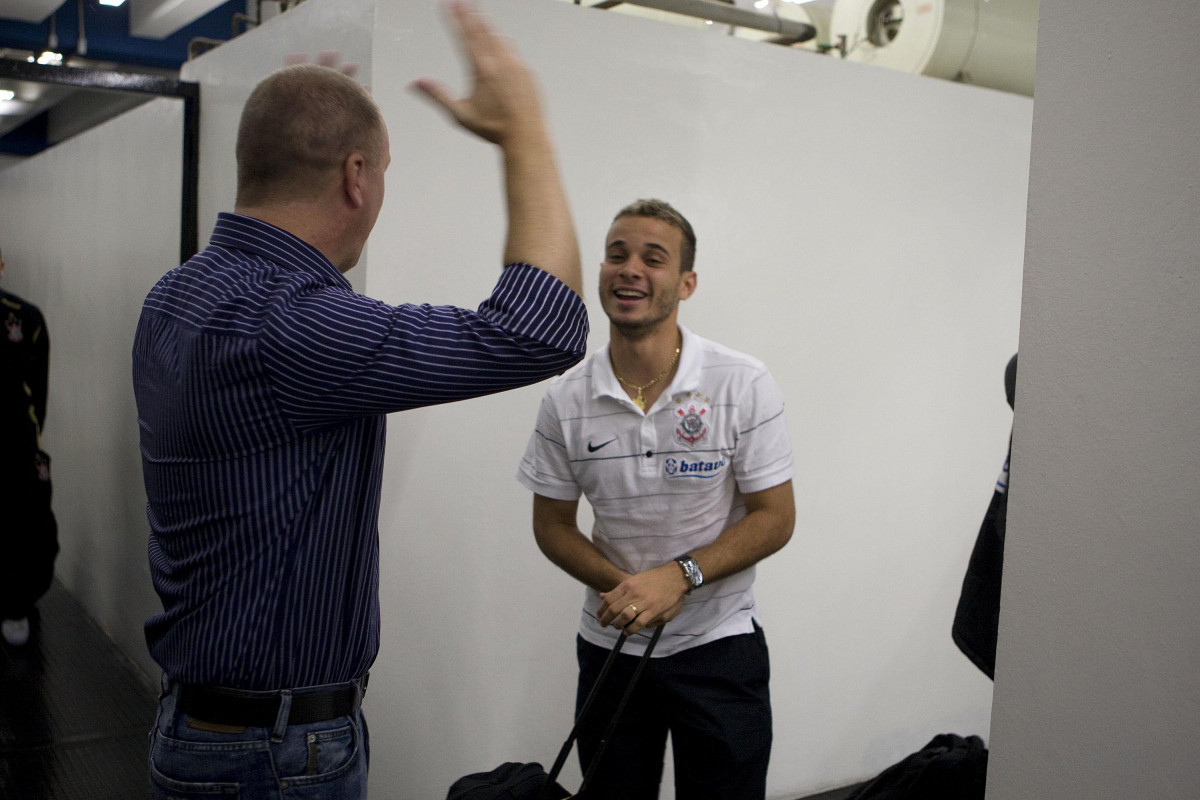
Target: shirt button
649,454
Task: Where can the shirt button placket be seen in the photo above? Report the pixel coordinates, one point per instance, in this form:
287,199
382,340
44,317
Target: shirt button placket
649,440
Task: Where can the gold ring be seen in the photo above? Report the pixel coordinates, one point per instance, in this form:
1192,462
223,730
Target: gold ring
635,611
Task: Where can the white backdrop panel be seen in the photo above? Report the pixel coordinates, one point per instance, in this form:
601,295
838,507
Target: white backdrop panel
87,228
859,230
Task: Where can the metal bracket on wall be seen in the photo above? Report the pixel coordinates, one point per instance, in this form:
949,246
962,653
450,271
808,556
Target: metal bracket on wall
137,83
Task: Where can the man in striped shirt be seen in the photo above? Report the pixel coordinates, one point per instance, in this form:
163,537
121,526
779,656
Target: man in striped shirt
679,445
262,381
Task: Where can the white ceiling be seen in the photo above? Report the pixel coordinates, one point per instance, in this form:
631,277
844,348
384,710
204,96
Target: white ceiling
158,19
29,10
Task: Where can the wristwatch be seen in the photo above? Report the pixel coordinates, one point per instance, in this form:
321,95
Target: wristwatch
691,571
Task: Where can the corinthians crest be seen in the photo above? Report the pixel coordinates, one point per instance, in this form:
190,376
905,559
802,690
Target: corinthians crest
13,323
692,413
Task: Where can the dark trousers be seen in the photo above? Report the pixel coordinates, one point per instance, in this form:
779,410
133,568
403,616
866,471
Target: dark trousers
28,532
713,699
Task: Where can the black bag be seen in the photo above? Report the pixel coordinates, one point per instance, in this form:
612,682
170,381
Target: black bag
509,781
950,767
529,780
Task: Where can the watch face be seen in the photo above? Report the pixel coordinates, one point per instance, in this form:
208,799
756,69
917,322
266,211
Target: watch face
691,570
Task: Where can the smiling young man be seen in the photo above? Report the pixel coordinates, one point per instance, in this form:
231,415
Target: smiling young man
680,446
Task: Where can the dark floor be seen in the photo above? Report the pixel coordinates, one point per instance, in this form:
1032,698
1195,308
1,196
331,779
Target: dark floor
74,713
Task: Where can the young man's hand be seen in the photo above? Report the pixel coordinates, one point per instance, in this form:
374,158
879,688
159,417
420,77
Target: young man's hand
648,599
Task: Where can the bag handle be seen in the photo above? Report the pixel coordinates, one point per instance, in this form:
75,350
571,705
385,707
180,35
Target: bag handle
587,705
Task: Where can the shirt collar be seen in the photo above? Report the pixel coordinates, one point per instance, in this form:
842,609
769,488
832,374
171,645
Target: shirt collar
273,243
687,376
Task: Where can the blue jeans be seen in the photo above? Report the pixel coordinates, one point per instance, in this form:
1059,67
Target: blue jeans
191,759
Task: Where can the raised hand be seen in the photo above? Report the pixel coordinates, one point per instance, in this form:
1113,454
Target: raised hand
504,99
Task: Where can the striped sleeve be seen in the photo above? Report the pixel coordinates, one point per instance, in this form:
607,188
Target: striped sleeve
331,353
545,468
764,450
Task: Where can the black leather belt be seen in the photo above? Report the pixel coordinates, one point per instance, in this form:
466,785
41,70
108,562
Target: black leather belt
223,706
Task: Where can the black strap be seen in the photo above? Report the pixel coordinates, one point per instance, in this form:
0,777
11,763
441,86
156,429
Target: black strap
587,706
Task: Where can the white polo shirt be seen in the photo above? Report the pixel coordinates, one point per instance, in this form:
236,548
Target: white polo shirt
667,482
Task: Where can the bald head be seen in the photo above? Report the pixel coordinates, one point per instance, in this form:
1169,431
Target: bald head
298,126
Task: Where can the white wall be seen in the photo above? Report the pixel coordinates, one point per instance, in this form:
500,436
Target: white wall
860,230
87,227
1097,692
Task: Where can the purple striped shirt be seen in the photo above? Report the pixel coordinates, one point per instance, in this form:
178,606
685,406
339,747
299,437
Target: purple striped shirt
261,382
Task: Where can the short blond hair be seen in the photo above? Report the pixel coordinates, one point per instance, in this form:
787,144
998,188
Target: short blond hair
297,126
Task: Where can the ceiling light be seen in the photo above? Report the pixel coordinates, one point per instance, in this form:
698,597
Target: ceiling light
13,108
50,57
761,3
6,95
112,2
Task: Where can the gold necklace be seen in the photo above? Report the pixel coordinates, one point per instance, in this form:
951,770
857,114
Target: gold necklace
640,400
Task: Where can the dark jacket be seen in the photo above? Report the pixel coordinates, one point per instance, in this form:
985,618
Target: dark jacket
978,613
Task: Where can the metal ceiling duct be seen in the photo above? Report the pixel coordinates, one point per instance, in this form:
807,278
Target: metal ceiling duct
816,13
788,29
990,43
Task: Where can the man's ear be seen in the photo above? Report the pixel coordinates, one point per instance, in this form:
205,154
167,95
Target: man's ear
354,170
687,284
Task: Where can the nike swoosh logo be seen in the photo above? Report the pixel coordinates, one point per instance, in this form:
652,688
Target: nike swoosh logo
594,447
